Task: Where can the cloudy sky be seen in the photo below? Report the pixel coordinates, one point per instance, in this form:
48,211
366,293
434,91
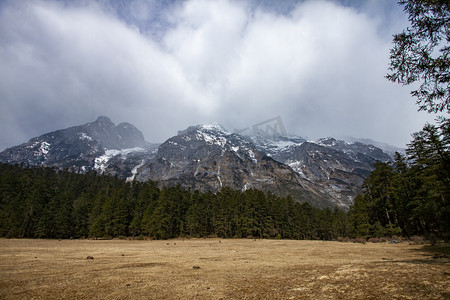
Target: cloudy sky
166,65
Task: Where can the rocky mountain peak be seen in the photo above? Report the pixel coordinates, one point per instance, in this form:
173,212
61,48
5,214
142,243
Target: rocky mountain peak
275,146
208,157
103,120
202,140
328,141
211,128
207,135
355,149
122,136
77,146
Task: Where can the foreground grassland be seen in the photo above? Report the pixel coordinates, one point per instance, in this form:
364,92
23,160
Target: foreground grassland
221,269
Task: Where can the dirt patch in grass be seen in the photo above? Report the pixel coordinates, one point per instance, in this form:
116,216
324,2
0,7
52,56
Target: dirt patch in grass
221,269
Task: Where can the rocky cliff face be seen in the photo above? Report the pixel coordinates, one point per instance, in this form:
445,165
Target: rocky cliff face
332,167
326,172
99,145
208,158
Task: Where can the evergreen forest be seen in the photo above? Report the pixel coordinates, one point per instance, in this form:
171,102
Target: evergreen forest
408,197
44,203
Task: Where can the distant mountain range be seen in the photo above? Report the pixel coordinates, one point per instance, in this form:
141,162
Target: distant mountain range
389,149
325,173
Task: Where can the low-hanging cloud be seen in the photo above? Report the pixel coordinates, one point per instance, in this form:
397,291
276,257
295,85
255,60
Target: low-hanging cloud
320,66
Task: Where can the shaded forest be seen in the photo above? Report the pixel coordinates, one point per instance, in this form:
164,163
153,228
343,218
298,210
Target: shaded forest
412,195
44,203
409,197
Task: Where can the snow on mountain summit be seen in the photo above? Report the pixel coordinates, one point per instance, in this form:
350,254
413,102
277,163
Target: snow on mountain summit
97,145
209,157
274,146
212,128
211,133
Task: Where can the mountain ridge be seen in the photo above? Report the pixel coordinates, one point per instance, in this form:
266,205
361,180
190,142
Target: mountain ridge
208,157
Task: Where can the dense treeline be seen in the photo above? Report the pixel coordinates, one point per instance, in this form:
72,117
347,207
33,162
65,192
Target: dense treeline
412,195
44,203
409,197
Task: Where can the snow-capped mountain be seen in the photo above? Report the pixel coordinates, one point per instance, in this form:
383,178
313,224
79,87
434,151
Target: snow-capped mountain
326,172
336,168
388,149
356,150
276,146
99,145
208,158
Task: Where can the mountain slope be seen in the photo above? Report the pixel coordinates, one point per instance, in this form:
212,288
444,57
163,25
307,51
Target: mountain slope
208,158
389,149
331,167
326,172
99,145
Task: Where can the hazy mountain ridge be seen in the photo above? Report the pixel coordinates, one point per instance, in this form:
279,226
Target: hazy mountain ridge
208,157
386,148
337,168
98,145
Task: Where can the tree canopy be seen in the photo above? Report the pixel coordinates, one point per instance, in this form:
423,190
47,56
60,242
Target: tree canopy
412,196
421,53
46,203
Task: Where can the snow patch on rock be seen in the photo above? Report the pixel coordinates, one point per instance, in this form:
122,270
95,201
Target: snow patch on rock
84,136
101,162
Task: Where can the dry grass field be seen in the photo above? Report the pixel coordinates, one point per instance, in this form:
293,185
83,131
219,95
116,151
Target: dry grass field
221,269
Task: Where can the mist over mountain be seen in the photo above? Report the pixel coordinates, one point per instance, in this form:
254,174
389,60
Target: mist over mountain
319,64
84,148
389,149
208,157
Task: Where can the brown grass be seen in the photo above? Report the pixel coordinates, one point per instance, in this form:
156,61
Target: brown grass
221,269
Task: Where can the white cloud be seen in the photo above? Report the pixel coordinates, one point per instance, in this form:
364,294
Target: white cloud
82,62
320,67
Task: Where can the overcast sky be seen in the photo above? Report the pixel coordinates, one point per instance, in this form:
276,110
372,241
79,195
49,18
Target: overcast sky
166,65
